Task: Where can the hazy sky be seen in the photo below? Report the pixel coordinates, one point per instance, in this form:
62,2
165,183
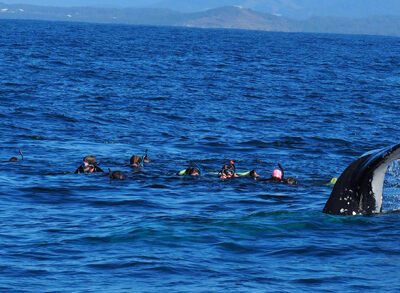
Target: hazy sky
289,8
102,3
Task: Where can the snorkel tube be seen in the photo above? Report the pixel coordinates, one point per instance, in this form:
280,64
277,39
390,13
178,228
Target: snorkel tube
199,168
232,163
141,164
283,172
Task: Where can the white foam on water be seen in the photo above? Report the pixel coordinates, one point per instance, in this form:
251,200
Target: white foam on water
391,188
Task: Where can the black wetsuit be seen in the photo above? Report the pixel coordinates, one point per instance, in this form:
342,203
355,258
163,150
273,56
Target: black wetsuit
81,169
288,181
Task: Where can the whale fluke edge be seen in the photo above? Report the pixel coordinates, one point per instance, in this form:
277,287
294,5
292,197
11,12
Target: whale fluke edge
359,190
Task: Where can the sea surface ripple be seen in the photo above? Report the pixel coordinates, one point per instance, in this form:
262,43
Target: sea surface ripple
311,102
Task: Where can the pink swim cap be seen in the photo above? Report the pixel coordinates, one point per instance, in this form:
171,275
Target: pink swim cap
277,174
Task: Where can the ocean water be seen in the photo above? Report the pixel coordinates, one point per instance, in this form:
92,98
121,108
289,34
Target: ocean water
311,102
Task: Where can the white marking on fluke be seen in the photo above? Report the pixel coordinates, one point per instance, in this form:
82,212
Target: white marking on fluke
359,190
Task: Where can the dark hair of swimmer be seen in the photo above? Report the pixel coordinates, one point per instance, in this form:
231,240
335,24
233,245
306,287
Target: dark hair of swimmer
135,161
253,174
116,175
192,171
90,159
291,181
15,159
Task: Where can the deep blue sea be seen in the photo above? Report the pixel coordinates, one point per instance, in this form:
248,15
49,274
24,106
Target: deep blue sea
311,102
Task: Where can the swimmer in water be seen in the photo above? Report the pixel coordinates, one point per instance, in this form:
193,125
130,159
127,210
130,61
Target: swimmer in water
89,165
278,176
228,171
137,161
191,171
15,159
116,175
253,174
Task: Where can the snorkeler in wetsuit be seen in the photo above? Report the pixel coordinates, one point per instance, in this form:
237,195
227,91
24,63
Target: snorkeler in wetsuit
89,165
191,171
228,171
137,161
116,175
15,159
278,176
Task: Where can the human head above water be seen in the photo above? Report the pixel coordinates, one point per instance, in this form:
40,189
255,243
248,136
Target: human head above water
15,159
192,171
277,174
135,161
116,175
227,171
253,174
291,181
90,159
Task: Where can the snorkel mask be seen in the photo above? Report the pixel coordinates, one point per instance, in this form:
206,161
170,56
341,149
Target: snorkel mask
228,169
89,168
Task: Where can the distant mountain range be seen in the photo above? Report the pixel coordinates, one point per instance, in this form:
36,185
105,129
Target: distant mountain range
298,9
223,17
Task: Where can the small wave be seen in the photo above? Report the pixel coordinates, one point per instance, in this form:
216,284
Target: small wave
135,203
56,193
14,84
289,141
173,117
157,186
34,137
255,143
61,117
236,248
324,280
158,98
37,67
311,250
58,63
216,144
119,265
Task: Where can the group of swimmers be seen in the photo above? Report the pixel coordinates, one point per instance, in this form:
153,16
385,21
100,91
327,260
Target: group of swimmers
90,165
229,171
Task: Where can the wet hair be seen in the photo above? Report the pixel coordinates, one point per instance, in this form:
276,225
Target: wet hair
253,174
291,181
90,159
192,170
226,166
135,160
116,174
